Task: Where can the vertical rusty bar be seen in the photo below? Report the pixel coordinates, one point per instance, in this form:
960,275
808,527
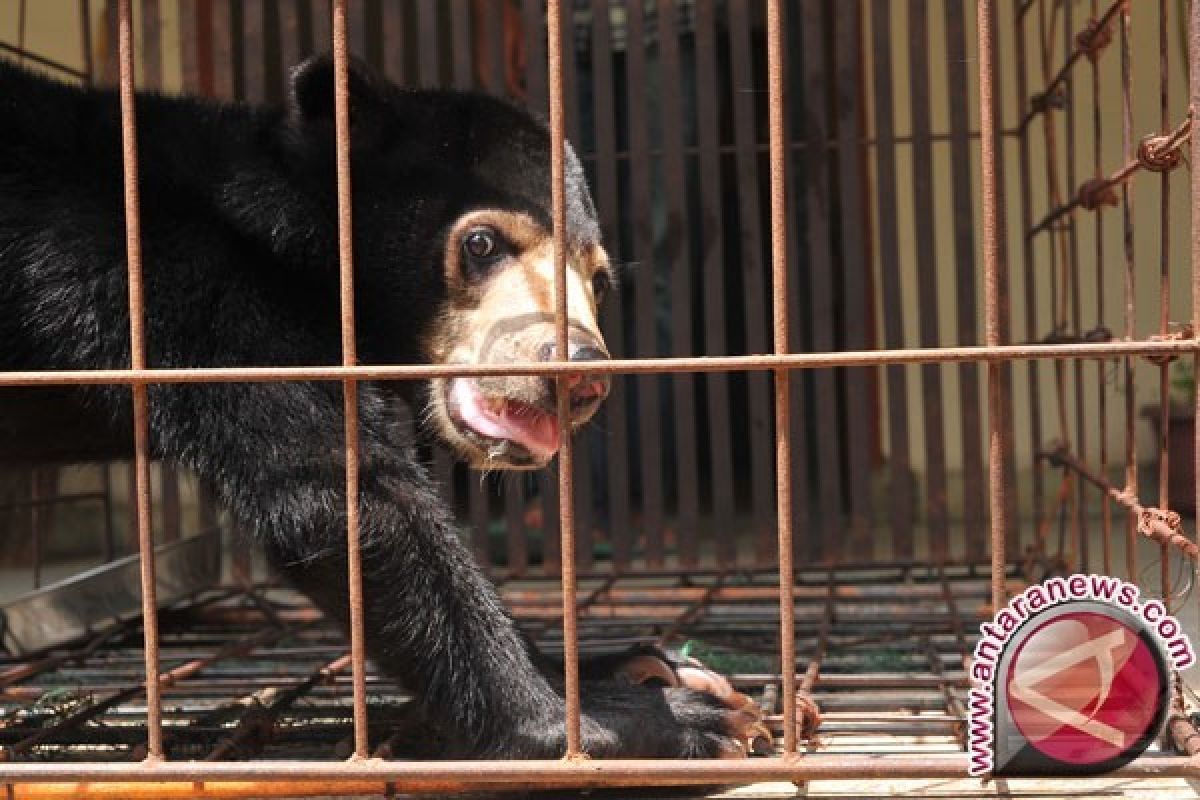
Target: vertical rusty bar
1131,478
1031,330
821,267
929,334
673,110
1101,365
745,136
613,317
533,19
855,265
1079,500
797,313
708,134
581,475
85,34
341,61
645,290
1193,24
1164,297
992,269
779,319
554,63
900,477
137,352
152,54
965,273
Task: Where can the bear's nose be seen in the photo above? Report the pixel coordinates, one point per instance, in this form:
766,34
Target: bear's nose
586,391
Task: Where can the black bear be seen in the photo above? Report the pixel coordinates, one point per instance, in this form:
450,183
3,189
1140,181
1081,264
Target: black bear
453,265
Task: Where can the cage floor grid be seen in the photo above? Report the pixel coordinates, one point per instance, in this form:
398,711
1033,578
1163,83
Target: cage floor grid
259,674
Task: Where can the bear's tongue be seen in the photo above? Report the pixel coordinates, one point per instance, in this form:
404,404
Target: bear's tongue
533,429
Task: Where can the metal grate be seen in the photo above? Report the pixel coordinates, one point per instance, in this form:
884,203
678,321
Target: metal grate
218,675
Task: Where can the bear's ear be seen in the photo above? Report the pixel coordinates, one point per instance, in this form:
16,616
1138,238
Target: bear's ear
310,97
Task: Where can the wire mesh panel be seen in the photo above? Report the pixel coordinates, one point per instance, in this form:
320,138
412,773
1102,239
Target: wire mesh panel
796,462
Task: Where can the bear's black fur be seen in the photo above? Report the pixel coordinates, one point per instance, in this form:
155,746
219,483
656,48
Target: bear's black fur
239,237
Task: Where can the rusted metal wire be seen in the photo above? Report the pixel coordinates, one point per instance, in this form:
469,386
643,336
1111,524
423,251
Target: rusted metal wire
1193,26
1130,298
141,403
1155,153
1088,42
997,441
634,366
1158,524
1165,158
562,349
341,92
779,317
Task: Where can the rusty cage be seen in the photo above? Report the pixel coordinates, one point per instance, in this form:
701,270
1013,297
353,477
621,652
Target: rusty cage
764,529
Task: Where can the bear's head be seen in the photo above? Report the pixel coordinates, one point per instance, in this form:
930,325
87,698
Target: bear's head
454,254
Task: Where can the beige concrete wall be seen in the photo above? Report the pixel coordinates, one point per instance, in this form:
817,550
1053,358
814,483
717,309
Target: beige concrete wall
52,28
1146,189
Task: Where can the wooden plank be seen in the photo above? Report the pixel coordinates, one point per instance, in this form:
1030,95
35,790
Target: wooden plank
965,268
929,336
427,43
357,28
254,74
900,482
533,21
823,314
645,299
188,55
856,305
394,40
679,253
151,42
292,48
108,63
322,26
460,36
712,265
752,267
222,51
615,423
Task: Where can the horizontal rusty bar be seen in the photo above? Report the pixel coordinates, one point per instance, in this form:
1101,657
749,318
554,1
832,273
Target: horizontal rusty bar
442,776
632,366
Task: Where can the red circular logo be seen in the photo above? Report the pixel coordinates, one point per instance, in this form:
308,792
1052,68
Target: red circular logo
1084,688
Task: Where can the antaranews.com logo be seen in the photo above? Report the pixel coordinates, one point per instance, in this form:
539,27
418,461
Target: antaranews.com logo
1072,678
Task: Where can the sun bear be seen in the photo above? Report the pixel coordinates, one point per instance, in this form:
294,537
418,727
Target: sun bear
453,264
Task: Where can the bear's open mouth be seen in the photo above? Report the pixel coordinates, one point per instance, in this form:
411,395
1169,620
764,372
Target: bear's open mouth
502,427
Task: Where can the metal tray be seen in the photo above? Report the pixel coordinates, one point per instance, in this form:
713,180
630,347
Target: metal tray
97,598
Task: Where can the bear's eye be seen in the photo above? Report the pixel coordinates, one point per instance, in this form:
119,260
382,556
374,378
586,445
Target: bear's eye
482,247
601,283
